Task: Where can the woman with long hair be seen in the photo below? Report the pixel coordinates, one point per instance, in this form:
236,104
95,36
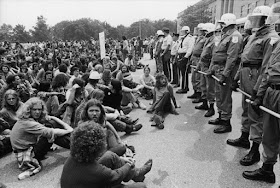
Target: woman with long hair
162,96
94,111
11,104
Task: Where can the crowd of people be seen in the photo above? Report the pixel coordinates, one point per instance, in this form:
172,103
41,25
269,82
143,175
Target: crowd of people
63,93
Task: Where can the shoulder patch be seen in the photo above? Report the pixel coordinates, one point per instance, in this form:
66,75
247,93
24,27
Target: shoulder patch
234,39
273,40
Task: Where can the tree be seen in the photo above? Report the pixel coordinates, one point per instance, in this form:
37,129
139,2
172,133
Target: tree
20,34
196,14
41,31
6,32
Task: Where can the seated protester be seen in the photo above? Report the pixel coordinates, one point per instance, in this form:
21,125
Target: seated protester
45,84
26,72
11,104
57,94
48,66
163,94
93,111
129,62
29,135
89,166
148,81
107,63
5,71
5,143
116,65
129,87
75,96
26,83
34,72
75,72
14,82
93,80
99,68
120,122
62,68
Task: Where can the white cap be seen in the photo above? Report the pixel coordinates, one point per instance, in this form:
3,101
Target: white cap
160,32
228,19
186,28
94,75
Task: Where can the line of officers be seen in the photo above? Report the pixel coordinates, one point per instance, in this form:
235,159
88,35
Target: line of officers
250,61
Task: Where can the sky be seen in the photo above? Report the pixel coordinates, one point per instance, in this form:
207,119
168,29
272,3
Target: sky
114,12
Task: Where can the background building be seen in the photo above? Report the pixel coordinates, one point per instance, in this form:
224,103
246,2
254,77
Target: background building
241,8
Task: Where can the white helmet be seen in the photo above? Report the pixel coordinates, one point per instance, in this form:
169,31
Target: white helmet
186,28
274,15
94,75
256,18
160,32
209,27
227,19
200,26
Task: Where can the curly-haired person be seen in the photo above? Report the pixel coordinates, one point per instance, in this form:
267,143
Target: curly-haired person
88,165
28,134
162,96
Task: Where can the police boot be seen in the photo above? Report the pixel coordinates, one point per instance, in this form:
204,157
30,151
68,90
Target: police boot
216,121
194,95
265,173
203,106
252,157
197,100
210,111
242,141
224,128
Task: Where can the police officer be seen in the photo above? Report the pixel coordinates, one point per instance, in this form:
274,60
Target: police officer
224,60
197,50
173,60
165,52
184,52
269,95
157,53
254,60
207,83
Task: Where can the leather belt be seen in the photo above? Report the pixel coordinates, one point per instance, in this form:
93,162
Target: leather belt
274,86
256,66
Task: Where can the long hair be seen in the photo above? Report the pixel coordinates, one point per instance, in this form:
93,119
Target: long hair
90,103
158,78
24,112
6,105
88,141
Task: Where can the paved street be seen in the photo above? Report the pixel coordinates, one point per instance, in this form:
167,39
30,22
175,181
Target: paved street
186,154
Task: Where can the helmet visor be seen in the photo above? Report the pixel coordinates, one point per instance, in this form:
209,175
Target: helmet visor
256,21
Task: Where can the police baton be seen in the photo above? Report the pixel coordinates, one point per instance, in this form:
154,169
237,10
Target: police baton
215,78
261,107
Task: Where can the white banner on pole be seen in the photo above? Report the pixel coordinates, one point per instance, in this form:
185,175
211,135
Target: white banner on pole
102,44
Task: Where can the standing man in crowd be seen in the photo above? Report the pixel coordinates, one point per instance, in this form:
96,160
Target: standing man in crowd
173,60
224,60
165,52
157,54
184,52
197,50
254,60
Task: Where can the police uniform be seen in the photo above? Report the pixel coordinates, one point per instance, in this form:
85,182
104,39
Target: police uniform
207,83
223,63
167,41
254,60
197,50
173,60
184,52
